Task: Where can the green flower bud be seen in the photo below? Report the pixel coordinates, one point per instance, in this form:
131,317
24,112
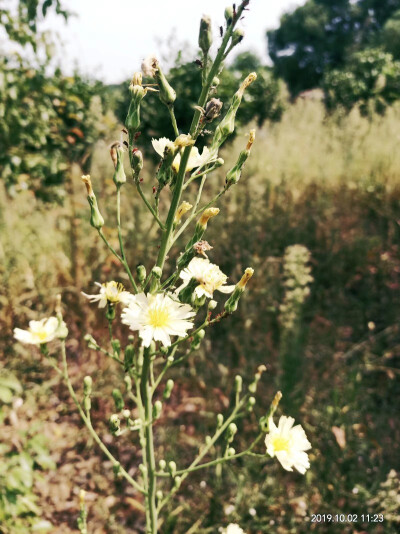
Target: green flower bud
212,305
232,303
126,414
168,388
237,37
233,176
117,154
231,452
208,440
215,82
159,495
172,468
238,384
186,294
226,127
163,464
141,273
220,420
205,34
157,272
177,482
251,403
166,93
138,92
165,172
230,433
91,342
136,163
87,385
129,356
118,399
229,15
116,346
115,425
197,339
157,409
96,220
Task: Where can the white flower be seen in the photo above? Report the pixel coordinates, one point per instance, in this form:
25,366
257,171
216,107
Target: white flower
40,332
112,292
233,528
157,317
209,276
195,159
288,444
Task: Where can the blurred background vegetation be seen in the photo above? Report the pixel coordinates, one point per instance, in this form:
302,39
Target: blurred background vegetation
316,214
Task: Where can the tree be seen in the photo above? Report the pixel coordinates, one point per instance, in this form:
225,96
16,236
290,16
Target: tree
320,36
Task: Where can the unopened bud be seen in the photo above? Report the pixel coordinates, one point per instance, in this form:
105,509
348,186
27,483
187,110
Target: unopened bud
232,303
87,385
238,384
205,34
91,342
172,468
197,339
233,176
141,273
237,37
159,495
157,272
129,355
128,382
119,176
166,93
168,389
208,440
136,163
157,409
126,414
96,219
251,403
162,464
212,305
220,420
115,425
229,15
177,482
118,399
231,451
116,346
230,433
133,118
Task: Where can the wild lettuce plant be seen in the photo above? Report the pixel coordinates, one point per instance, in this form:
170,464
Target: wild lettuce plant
167,316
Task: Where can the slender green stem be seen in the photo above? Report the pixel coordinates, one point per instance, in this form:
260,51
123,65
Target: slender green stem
173,120
146,397
110,248
121,244
89,426
149,206
193,215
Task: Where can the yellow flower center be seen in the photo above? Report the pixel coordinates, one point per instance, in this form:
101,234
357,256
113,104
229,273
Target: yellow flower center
41,335
113,289
158,317
280,444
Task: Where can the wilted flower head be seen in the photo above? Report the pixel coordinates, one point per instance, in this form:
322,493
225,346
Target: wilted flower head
40,332
157,317
208,275
111,292
288,444
195,159
149,66
183,208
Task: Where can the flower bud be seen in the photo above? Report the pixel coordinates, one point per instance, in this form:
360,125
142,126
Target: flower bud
231,451
128,381
212,305
172,468
141,273
229,15
212,109
238,384
237,37
197,339
177,482
162,464
117,155
257,376
168,389
157,409
166,93
165,171
116,346
91,342
226,127
264,421
96,220
136,163
157,272
126,414
208,440
159,495
205,34
251,403
115,425
138,92
220,420
233,176
87,385
118,399
230,433
129,355
232,303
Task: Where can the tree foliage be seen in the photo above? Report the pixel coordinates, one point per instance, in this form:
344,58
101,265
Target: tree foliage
320,35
